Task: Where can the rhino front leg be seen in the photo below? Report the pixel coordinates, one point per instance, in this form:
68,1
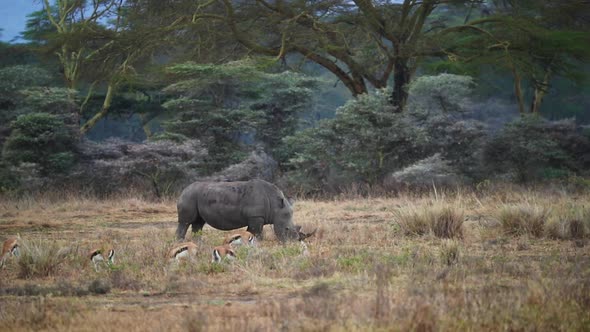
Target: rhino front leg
181,230
255,227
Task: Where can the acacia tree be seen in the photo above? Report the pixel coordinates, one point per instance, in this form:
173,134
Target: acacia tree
364,43
231,106
98,45
534,40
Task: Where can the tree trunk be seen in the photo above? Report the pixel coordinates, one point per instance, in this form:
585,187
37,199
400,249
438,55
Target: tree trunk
401,77
539,93
518,91
103,111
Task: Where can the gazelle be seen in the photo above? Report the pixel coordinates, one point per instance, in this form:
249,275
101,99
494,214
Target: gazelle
239,238
221,252
301,238
96,256
182,251
9,248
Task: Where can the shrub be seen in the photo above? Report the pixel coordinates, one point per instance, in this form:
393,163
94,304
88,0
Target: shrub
447,222
440,220
449,252
38,258
163,167
568,222
532,148
43,139
424,174
364,141
230,106
412,220
99,286
523,219
367,139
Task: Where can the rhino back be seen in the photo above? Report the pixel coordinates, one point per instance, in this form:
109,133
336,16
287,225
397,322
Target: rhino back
228,205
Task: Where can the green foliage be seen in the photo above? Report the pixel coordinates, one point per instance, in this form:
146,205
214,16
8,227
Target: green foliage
231,106
443,93
286,96
8,180
365,140
18,77
13,80
42,139
49,99
530,149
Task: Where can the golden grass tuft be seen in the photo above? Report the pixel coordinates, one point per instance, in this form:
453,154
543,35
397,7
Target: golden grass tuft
450,252
442,220
39,258
523,219
568,221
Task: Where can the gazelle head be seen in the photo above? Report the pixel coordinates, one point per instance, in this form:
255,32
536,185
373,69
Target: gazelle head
240,238
182,251
300,235
9,248
97,256
221,252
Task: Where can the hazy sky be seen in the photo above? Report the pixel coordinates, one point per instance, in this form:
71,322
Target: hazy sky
13,16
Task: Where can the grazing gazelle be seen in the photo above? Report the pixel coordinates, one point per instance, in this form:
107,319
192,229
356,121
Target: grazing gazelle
96,256
182,251
9,248
221,252
301,237
239,238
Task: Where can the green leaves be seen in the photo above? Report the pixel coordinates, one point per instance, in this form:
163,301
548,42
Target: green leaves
233,106
42,139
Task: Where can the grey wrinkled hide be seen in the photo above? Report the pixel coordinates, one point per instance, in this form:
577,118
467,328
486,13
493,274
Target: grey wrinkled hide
231,205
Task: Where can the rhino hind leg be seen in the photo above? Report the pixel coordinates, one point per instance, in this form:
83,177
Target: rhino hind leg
197,225
255,227
187,215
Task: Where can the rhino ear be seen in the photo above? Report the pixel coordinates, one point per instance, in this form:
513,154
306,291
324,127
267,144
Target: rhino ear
291,200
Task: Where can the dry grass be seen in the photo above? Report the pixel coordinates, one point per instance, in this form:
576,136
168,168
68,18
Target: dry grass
523,219
413,262
569,221
438,218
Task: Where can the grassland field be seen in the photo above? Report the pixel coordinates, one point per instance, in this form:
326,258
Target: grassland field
509,259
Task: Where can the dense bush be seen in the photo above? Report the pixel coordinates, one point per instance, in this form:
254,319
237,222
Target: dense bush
42,139
532,148
232,106
362,143
161,167
25,89
368,140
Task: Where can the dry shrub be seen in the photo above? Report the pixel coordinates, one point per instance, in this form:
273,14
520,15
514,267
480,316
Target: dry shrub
39,258
320,302
523,219
382,295
412,220
450,252
447,222
444,221
121,280
568,221
423,318
33,315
